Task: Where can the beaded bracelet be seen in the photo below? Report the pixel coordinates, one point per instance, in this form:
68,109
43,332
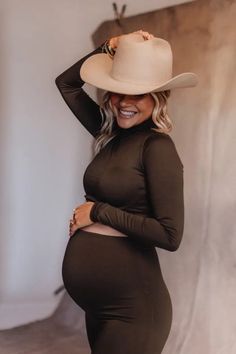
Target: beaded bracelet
108,49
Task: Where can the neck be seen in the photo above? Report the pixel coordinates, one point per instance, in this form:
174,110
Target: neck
143,126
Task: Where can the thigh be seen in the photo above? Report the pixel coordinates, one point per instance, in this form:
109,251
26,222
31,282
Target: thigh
93,328
124,337
133,322
119,337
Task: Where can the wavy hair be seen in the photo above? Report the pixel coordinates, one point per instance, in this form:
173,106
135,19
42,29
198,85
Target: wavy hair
110,128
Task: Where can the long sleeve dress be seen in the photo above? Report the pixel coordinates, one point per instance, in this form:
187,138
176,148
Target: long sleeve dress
136,182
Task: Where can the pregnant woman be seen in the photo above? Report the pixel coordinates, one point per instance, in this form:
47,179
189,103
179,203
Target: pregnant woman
134,194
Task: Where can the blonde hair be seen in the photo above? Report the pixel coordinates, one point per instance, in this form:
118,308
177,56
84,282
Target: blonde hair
110,128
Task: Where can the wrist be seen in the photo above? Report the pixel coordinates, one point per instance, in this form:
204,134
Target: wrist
94,211
109,47
111,43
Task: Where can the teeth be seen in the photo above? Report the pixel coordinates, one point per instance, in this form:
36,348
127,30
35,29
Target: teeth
127,113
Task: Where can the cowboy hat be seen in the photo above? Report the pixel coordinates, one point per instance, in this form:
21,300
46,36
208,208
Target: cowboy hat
139,66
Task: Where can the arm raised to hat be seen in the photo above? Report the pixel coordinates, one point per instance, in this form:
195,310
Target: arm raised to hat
163,171
81,104
70,85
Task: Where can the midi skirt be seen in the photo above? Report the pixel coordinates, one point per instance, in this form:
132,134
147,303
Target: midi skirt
119,285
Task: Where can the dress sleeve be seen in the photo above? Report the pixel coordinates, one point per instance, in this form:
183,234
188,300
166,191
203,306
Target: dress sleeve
84,108
164,182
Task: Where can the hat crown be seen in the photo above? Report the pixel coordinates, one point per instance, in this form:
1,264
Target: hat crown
139,66
140,61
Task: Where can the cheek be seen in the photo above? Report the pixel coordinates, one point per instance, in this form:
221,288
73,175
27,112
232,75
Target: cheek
151,108
147,110
113,103
114,100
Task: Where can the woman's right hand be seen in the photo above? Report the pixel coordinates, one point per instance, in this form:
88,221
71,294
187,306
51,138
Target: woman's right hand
114,41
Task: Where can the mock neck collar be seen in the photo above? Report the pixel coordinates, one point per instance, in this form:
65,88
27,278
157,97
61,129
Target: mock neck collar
144,126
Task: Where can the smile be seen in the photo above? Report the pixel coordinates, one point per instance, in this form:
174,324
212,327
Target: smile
126,113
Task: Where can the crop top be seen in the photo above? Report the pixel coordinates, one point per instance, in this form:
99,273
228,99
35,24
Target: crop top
136,180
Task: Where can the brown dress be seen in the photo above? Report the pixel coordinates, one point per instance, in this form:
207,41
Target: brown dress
136,182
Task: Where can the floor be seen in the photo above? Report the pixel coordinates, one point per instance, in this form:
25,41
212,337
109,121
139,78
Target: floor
61,333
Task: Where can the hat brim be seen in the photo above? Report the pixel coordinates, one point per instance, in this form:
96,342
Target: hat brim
97,68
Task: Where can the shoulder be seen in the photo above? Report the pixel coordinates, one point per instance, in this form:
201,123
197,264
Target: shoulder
157,141
159,146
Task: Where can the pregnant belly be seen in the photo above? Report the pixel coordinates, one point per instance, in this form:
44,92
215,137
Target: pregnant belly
100,272
95,268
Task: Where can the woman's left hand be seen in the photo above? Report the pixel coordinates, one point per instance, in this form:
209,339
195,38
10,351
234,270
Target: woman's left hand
144,34
114,41
81,217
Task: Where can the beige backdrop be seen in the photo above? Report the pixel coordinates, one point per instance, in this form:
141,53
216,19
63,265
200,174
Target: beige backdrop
201,274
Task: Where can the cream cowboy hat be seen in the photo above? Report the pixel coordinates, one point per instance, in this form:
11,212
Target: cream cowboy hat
138,66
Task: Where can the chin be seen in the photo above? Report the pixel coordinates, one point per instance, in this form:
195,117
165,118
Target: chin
126,123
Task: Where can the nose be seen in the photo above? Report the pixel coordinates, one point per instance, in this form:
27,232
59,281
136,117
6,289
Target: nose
126,100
